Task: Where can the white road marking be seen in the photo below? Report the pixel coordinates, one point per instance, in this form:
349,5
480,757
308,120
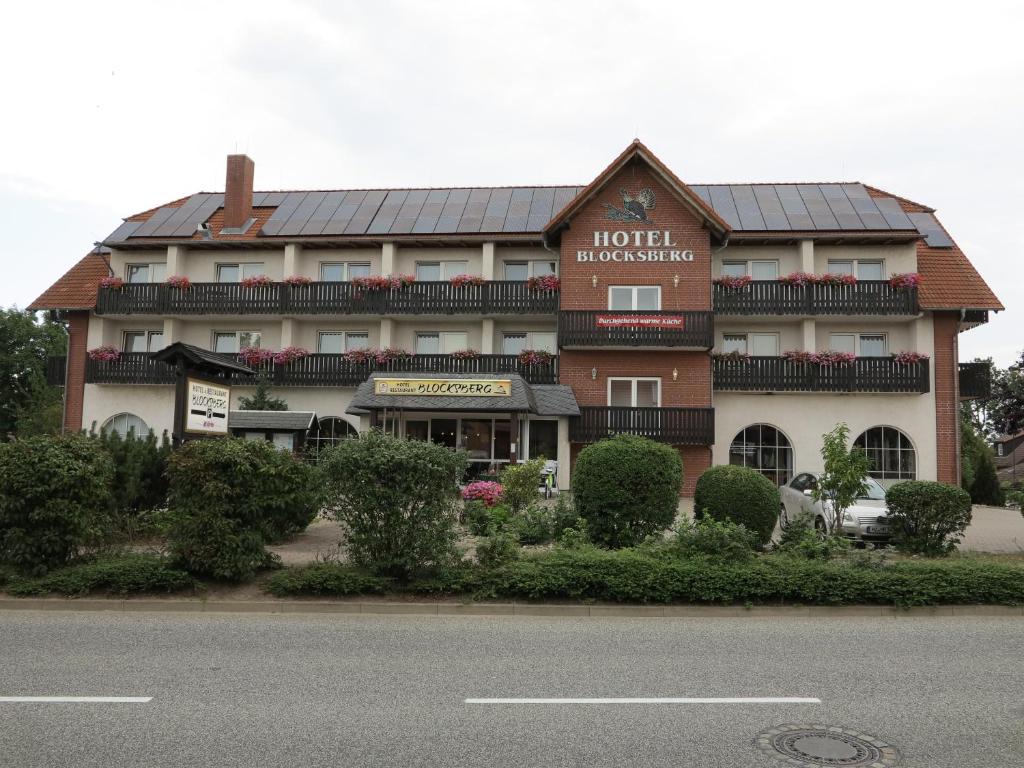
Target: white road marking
75,699
659,700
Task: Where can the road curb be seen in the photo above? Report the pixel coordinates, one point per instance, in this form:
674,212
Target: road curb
577,610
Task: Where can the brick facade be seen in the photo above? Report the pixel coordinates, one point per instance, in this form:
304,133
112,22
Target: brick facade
947,399
74,390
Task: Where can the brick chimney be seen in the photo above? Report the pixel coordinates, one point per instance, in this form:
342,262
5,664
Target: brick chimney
238,191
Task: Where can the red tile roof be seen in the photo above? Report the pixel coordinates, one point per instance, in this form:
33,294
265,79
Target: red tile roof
77,288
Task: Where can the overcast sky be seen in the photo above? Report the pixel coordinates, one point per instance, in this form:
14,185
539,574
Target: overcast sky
112,108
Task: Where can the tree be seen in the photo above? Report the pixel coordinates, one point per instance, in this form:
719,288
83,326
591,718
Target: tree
24,346
842,482
977,466
1003,411
262,400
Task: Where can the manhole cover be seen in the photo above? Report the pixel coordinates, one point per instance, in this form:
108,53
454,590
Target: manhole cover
815,746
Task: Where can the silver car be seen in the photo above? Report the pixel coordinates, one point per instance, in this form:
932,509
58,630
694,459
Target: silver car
865,521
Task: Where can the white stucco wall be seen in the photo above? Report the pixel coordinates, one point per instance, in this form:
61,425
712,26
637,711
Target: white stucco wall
153,404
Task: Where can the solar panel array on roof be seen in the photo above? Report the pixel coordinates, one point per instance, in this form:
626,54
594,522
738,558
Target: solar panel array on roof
500,210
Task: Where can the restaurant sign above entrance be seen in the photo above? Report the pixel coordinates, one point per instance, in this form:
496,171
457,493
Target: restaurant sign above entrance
444,387
639,246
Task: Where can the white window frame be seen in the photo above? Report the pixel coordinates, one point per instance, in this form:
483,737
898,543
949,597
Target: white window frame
633,390
856,265
441,344
446,268
148,333
530,342
151,268
747,339
634,289
531,266
242,272
748,268
346,276
857,339
238,339
344,339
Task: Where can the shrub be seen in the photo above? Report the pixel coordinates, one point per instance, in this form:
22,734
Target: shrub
627,488
485,491
481,519
562,516
575,537
800,539
397,499
499,548
721,540
228,497
927,518
326,579
520,484
119,575
54,499
140,464
534,525
739,494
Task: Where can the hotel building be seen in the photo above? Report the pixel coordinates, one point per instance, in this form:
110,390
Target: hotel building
737,322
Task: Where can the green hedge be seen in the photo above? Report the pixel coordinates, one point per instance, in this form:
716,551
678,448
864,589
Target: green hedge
630,576
738,494
124,574
927,518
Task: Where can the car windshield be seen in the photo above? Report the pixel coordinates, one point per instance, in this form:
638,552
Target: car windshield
872,490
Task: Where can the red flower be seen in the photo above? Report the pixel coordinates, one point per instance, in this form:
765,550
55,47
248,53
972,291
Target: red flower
288,354
535,357
460,280
733,282
106,353
256,281
297,280
254,356
486,491
909,357
544,283
111,282
905,280
178,281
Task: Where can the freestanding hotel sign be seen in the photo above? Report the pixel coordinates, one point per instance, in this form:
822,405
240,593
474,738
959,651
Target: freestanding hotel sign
208,406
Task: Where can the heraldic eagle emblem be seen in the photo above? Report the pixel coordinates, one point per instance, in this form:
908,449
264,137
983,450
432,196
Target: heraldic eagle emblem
634,207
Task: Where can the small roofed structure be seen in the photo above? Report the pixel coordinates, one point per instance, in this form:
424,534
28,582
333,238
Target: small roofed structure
202,360
288,430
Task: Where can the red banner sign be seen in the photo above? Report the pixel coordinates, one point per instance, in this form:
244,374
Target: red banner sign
640,321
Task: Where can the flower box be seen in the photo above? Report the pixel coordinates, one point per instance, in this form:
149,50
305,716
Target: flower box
106,353
465,354
379,356
460,280
544,283
733,282
907,358
734,356
383,282
535,357
254,356
297,280
111,282
257,281
178,281
825,359
288,354
905,280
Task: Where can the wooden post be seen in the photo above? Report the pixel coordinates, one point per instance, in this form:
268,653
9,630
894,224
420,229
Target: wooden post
514,448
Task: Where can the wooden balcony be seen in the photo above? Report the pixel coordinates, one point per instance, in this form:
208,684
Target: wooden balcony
777,374
676,426
975,381
324,370
771,297
497,297
613,329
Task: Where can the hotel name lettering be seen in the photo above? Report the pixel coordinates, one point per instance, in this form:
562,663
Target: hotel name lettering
640,246
444,387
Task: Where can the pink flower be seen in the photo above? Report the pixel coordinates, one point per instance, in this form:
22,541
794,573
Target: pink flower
460,280
735,355
297,280
111,282
535,357
798,356
907,358
383,282
106,353
797,278
288,354
465,354
486,491
733,282
544,283
379,356
830,358
178,281
256,281
254,356
835,279
905,280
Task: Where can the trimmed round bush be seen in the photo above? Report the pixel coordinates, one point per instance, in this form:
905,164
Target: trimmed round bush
740,495
55,499
626,488
229,497
397,499
928,518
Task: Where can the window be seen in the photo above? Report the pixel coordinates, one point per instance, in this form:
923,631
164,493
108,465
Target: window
332,431
868,269
230,342
804,482
143,341
285,441
417,430
235,273
514,343
543,442
761,269
524,270
890,452
444,343
440,270
145,273
635,297
634,393
766,449
336,342
860,344
757,344
125,424
339,272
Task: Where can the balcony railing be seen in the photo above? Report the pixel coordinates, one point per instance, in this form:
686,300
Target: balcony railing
772,297
676,426
975,381
324,370
56,369
777,374
611,328
496,297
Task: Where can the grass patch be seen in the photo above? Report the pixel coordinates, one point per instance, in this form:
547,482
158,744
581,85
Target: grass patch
633,576
117,575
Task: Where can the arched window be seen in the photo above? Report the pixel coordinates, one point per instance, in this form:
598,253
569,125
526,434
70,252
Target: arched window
766,449
890,452
122,423
333,429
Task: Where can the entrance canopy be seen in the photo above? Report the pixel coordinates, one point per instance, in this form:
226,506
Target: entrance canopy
465,392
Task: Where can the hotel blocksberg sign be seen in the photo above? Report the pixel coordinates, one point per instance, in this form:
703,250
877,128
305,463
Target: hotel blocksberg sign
640,246
444,387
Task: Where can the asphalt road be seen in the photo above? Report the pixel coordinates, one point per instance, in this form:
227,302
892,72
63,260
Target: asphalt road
346,690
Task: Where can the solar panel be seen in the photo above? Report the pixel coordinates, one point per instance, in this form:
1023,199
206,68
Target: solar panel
722,202
771,207
820,213
124,231
409,211
341,217
497,210
366,212
841,206
180,216
893,213
323,213
701,190
518,210
298,220
272,199
153,222
865,206
563,196
540,209
452,211
794,207
934,234
473,215
284,212
431,211
747,207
